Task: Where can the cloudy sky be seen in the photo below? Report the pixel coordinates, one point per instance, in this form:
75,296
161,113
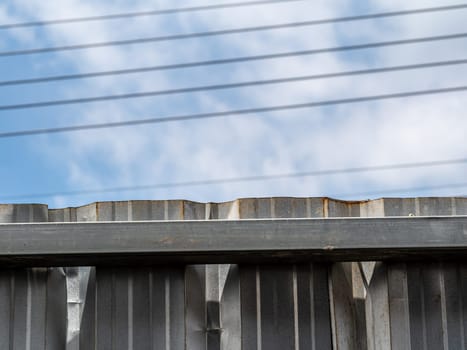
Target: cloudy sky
428,128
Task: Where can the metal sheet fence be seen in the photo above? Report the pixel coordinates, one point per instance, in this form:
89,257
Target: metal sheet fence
32,301
303,306
204,306
418,305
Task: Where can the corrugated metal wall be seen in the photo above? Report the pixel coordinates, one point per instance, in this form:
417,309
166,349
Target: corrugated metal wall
306,306
32,301
418,305
204,306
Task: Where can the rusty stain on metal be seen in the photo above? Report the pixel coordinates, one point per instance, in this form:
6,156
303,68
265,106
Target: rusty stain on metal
182,209
97,209
325,201
350,202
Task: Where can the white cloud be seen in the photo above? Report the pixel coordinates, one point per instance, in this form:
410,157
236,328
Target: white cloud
427,128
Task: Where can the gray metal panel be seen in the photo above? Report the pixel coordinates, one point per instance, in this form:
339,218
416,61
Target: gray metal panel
32,301
76,277
425,300
285,307
137,308
239,241
140,308
426,303
204,306
279,306
144,308
347,311
371,306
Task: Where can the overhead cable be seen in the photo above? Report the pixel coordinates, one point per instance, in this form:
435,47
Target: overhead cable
187,117
224,86
126,15
404,191
254,178
232,5
308,77
173,37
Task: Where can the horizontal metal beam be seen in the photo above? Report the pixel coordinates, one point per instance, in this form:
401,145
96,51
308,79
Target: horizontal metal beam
241,241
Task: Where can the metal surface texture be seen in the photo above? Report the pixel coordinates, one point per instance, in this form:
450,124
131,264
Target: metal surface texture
33,300
418,305
180,306
285,305
238,241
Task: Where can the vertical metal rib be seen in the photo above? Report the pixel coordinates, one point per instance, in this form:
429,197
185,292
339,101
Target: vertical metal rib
12,311
295,309
92,315
444,320
258,309
312,308
113,305
398,305
151,308
167,312
130,312
460,273
28,310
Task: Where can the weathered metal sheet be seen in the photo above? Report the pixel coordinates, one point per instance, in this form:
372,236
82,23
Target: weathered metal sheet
284,307
233,241
404,305
418,305
32,301
203,306
142,308
277,306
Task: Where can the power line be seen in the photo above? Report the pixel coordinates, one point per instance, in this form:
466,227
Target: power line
246,179
229,86
232,85
309,77
231,60
163,38
155,39
162,12
402,190
232,112
230,5
225,6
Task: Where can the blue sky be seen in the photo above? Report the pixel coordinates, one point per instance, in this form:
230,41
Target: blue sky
385,132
